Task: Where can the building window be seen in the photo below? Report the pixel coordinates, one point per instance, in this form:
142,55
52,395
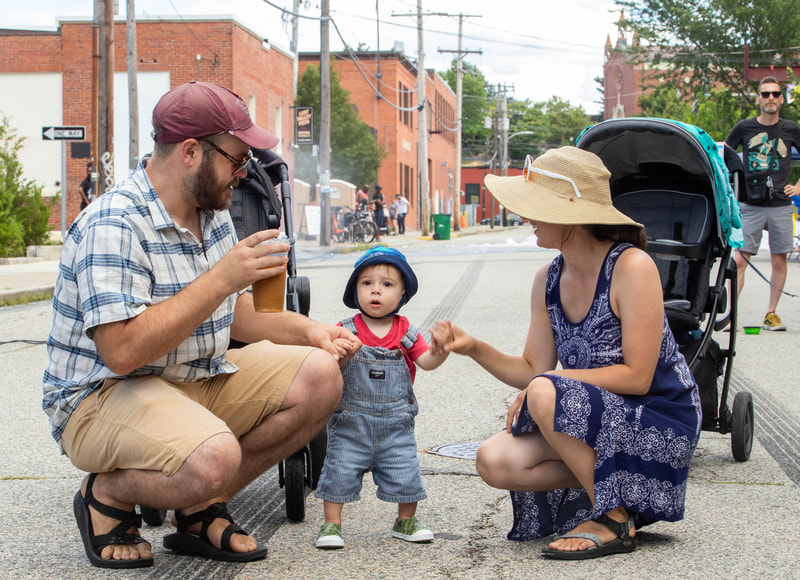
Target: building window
251,107
472,193
407,182
406,115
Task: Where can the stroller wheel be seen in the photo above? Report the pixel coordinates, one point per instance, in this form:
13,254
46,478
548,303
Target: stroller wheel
742,426
153,516
302,286
294,472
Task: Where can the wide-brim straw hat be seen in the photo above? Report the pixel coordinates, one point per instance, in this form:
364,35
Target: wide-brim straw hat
567,186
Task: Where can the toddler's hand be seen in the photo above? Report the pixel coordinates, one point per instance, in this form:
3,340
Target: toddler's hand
441,337
345,348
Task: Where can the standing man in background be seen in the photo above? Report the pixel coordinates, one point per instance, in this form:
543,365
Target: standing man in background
767,142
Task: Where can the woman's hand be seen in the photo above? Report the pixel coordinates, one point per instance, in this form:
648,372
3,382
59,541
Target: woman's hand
516,408
447,337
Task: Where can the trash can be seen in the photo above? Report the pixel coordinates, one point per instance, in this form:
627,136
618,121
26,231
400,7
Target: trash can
441,226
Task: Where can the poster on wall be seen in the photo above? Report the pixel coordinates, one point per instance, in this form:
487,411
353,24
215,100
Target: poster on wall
304,125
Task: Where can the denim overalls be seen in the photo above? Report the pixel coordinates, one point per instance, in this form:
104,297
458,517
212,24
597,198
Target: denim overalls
373,428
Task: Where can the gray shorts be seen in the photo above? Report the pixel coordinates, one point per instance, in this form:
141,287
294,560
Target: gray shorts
778,221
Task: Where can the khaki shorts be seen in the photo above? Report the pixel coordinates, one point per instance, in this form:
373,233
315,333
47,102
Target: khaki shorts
154,424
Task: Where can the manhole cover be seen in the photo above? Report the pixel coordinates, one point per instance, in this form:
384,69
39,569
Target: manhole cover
466,450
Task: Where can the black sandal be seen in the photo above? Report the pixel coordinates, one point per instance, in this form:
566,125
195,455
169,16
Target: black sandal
185,541
623,543
119,535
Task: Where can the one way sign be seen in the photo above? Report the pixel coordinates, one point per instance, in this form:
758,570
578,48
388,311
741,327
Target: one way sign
64,133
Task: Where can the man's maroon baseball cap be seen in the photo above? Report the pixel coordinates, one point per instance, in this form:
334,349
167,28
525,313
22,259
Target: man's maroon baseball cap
198,109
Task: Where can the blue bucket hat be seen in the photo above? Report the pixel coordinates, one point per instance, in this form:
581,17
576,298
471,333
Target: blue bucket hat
381,255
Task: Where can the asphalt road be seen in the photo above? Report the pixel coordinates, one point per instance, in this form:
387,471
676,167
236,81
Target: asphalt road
739,519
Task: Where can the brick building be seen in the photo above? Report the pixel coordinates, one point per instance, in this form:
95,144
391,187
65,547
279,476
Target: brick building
46,78
394,122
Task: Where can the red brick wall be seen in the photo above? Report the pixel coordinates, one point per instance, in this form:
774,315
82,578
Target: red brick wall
30,51
230,56
398,139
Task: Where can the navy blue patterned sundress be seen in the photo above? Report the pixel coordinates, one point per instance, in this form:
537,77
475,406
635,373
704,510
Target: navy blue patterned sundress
643,443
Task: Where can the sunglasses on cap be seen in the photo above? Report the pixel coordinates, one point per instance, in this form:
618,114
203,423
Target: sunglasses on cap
238,164
529,168
775,94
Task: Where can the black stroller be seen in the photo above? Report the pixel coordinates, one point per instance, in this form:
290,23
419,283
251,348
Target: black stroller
670,177
256,205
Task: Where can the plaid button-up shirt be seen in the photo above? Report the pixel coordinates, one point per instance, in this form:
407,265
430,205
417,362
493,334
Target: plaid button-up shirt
123,254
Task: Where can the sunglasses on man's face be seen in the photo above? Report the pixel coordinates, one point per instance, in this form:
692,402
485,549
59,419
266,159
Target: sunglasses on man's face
238,164
774,94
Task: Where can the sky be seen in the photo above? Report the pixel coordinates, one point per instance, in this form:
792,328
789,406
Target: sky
536,49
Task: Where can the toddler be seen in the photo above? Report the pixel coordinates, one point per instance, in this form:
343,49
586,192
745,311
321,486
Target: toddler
373,427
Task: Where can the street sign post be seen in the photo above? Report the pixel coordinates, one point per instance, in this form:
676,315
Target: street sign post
74,133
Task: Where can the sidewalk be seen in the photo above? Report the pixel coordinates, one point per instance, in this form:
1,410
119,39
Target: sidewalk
26,279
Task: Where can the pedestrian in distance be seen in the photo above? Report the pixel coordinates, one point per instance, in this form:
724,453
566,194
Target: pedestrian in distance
601,446
767,142
86,188
377,210
141,388
373,427
393,215
402,211
362,199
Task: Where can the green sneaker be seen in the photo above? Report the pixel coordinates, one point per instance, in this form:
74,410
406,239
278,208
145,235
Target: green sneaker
411,530
330,537
773,322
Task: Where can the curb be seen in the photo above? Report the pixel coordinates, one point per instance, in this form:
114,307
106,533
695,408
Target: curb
10,295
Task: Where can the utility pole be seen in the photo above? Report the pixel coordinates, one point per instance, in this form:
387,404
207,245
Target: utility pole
422,149
504,132
104,15
504,141
496,149
295,39
133,85
324,126
459,100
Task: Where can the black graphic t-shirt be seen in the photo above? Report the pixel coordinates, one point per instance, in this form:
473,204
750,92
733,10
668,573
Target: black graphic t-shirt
767,148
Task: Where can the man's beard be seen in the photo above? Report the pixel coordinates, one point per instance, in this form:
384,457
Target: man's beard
208,192
770,109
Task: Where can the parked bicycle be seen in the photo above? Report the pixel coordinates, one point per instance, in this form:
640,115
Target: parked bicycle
352,226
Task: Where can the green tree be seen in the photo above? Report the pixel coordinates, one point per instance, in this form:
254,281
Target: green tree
566,121
355,154
667,102
530,127
476,104
24,214
551,123
702,42
716,112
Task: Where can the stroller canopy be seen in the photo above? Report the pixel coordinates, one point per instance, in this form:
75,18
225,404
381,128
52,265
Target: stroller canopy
631,144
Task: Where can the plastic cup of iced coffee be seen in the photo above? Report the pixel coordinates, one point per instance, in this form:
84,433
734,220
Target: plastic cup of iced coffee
269,293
